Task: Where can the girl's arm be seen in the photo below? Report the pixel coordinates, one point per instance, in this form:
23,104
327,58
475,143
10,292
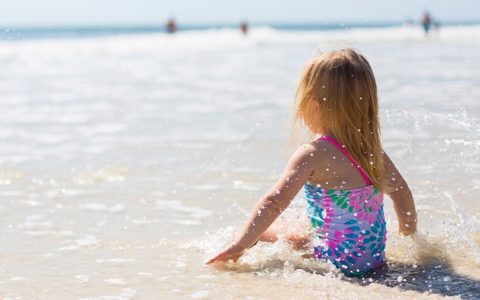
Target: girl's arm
402,198
273,203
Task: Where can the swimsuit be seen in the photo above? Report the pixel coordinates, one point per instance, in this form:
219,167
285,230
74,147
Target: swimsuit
349,225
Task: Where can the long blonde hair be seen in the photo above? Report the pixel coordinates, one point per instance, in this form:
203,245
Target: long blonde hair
337,92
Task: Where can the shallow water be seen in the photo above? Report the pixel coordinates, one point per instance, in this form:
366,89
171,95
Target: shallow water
127,161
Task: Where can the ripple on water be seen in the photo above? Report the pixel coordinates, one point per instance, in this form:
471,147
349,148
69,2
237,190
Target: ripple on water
82,278
96,206
106,174
115,281
117,260
126,294
200,294
193,212
36,221
72,245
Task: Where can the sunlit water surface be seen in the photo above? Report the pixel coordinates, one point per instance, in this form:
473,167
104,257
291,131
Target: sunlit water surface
126,161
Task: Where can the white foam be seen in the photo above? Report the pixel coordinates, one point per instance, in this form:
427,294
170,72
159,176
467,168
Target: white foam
82,278
88,240
18,278
126,294
200,294
118,260
196,213
95,206
115,281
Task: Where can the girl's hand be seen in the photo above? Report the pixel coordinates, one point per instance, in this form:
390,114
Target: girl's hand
233,252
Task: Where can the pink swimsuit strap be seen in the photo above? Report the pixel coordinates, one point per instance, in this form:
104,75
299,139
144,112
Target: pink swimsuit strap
357,166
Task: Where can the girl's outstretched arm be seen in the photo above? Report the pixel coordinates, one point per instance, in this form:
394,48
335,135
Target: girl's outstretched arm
402,198
273,203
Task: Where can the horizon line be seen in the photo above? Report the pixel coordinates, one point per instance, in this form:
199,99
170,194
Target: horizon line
230,24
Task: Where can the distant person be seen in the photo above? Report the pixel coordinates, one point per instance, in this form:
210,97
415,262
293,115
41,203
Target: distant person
409,22
345,173
244,27
171,27
426,22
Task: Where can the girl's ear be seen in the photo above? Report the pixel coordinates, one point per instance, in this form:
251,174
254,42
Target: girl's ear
317,106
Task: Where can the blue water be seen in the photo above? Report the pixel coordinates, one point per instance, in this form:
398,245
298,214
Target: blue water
23,33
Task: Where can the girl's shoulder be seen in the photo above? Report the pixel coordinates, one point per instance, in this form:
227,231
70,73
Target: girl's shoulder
321,148
314,151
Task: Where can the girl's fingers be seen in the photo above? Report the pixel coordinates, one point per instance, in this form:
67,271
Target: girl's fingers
215,258
224,256
232,252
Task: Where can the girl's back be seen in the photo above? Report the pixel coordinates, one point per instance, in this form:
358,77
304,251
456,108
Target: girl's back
345,211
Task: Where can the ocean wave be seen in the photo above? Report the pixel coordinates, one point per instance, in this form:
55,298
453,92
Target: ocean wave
232,37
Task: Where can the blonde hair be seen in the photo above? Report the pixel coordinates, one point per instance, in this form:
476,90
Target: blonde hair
337,92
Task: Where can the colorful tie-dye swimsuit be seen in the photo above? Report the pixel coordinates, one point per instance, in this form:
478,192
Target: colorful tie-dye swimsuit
349,225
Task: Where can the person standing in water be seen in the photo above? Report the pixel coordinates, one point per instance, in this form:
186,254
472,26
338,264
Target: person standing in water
170,26
345,172
244,27
426,22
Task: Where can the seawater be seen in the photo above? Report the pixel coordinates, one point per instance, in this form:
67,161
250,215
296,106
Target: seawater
126,160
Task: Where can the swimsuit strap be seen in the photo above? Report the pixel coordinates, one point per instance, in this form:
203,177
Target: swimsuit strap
357,166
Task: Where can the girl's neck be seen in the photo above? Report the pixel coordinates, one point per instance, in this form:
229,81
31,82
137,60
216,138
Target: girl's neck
326,132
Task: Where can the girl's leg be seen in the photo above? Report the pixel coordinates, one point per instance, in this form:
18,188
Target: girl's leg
299,241
270,235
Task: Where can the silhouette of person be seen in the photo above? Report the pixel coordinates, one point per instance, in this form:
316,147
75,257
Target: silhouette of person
426,22
170,26
244,27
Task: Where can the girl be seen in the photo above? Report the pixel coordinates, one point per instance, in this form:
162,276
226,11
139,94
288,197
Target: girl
344,173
